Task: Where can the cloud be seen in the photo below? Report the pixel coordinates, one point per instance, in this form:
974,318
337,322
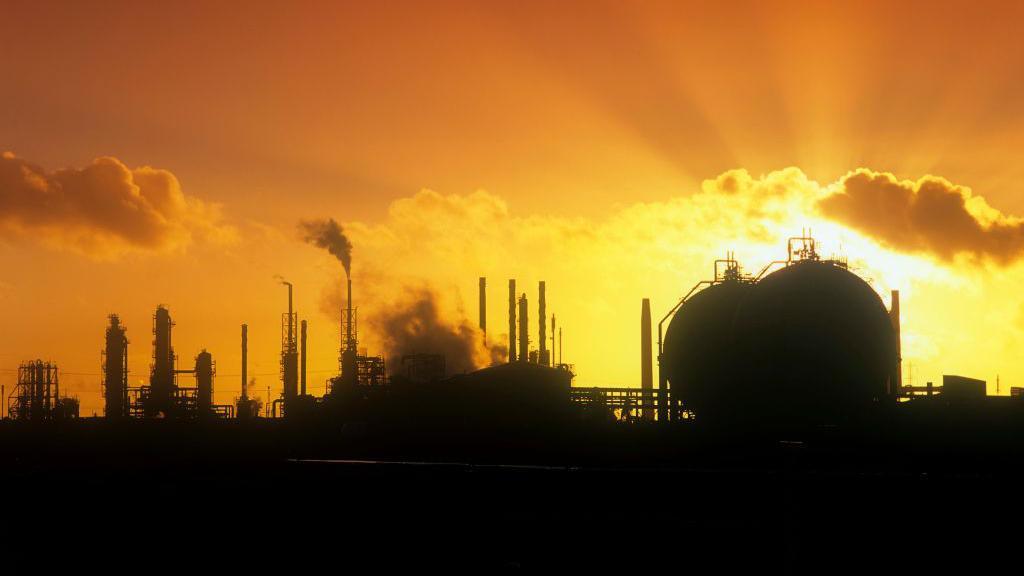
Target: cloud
930,216
104,209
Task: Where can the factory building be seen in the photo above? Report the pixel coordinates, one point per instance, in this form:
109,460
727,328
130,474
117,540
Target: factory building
962,387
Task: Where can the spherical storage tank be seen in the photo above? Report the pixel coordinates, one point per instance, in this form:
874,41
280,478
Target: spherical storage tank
698,351
816,342
811,342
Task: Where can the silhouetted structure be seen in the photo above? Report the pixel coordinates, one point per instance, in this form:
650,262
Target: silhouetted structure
289,354
646,361
512,320
115,370
524,330
542,316
358,370
962,387
349,369
302,371
554,359
162,384
246,407
164,398
205,371
896,382
36,397
810,342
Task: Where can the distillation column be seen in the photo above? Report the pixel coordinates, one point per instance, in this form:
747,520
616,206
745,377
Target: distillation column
115,370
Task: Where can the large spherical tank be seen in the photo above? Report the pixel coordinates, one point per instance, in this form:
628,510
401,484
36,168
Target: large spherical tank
813,342
698,354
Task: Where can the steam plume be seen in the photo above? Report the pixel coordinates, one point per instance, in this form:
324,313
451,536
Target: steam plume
329,235
416,326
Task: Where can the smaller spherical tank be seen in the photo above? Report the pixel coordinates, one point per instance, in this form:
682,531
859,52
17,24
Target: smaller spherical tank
698,355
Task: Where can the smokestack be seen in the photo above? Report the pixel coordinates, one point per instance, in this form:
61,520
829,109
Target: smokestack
291,333
542,356
553,359
646,361
483,307
302,373
245,361
894,317
348,325
512,320
524,330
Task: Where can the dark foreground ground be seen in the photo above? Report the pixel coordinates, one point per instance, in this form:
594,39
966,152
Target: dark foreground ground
173,496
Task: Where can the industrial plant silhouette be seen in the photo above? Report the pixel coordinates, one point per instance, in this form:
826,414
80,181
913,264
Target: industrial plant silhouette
788,380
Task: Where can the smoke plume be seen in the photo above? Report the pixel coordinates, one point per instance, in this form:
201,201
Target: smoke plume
329,235
931,216
416,326
103,209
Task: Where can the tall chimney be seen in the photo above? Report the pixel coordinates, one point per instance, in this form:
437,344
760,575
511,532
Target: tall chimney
302,373
245,361
291,322
553,359
348,325
512,320
894,317
542,355
646,361
524,330
483,307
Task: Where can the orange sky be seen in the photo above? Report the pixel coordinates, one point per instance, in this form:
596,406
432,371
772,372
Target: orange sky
591,127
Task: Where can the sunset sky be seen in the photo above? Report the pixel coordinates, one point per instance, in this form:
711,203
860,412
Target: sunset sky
166,154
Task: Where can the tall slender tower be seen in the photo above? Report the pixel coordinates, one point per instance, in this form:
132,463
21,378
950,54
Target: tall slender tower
524,330
302,350
350,334
245,361
553,348
115,370
512,320
646,361
161,378
542,318
894,316
289,354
